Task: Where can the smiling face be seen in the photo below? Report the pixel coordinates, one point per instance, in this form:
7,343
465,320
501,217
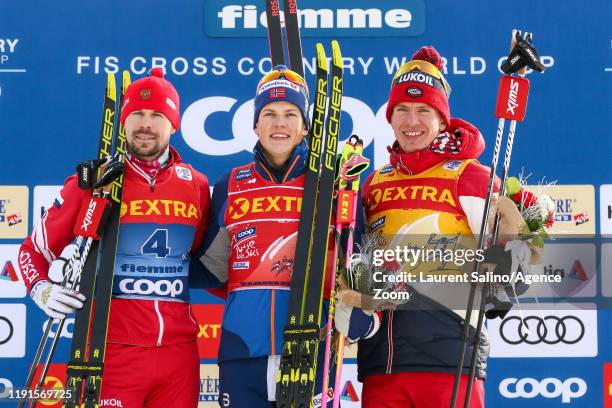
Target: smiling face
147,133
415,125
280,127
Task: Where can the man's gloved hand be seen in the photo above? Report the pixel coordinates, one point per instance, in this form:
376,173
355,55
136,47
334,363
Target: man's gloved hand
55,300
60,266
355,323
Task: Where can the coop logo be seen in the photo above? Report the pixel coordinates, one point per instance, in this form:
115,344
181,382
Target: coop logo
551,388
250,232
242,18
146,287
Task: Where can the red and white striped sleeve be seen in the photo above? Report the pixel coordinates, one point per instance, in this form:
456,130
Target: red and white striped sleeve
49,237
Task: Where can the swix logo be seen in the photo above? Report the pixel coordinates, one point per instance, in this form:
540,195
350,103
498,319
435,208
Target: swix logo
422,193
512,98
168,208
242,206
87,221
338,18
147,287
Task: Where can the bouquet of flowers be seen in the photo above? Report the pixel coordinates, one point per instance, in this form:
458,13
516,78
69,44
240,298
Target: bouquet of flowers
538,211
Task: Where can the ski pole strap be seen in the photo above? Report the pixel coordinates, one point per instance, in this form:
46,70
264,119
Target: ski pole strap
512,98
94,211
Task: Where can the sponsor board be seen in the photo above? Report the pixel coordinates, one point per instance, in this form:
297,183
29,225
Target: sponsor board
605,209
564,390
54,380
209,319
350,389
606,269
209,386
575,264
11,284
44,197
13,212
574,208
340,18
12,330
562,330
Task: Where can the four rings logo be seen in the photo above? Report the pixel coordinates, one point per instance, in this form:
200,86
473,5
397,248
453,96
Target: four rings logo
147,287
554,331
548,388
535,330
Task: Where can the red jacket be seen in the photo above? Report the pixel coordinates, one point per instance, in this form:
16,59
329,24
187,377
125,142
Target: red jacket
174,207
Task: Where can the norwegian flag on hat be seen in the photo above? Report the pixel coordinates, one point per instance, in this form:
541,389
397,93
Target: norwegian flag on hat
277,93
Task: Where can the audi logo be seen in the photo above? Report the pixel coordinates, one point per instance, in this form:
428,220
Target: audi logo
6,335
550,330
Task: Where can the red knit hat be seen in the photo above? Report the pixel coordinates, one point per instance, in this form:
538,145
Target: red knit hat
421,80
155,93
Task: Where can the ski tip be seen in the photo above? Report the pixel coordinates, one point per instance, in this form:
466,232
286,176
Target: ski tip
321,58
111,87
126,81
336,54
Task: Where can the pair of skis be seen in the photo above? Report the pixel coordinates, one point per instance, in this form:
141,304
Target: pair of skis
85,374
296,376
97,231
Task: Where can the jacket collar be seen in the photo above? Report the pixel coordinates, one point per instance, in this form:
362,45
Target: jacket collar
294,167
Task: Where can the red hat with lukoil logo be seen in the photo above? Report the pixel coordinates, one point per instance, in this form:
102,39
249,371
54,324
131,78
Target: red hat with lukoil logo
421,81
155,93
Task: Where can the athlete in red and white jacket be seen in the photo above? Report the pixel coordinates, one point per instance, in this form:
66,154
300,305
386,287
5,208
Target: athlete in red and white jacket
164,213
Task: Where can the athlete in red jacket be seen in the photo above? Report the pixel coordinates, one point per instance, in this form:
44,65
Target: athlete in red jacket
151,356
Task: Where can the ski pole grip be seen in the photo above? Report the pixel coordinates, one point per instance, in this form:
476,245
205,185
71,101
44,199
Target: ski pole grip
91,217
512,98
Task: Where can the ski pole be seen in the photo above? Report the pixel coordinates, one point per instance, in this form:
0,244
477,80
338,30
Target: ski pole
351,165
511,104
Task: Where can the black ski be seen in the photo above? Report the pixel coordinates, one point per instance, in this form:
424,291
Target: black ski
104,282
292,33
287,371
80,336
99,276
275,35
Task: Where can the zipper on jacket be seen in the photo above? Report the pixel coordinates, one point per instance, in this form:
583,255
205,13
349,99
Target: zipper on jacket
152,184
161,323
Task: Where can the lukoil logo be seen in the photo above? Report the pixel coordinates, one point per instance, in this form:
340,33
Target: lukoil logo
569,389
242,18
